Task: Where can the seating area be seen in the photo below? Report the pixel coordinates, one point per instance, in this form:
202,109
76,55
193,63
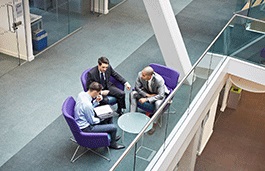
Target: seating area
95,140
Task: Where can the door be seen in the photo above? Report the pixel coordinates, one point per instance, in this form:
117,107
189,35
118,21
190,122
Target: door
11,12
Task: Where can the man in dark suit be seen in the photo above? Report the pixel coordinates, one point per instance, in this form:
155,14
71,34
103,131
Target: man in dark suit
101,74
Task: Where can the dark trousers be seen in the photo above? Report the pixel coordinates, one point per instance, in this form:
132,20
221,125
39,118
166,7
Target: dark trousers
118,94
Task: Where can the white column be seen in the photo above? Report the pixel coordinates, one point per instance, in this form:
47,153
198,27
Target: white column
28,36
168,35
228,85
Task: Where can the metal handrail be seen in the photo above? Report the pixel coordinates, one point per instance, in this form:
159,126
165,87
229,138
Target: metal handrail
170,96
250,18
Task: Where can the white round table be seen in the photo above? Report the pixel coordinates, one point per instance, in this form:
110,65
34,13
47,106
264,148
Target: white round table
133,122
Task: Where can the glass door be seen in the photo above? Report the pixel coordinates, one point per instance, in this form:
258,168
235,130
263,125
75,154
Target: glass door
55,19
11,13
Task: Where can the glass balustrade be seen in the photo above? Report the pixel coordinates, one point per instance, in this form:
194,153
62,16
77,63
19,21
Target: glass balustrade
235,40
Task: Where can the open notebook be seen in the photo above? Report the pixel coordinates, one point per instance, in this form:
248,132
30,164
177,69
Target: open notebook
104,111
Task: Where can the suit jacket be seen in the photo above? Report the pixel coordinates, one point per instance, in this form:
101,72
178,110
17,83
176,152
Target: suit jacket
158,87
94,75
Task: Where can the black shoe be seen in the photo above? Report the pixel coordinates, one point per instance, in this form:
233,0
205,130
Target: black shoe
119,112
118,138
151,131
117,146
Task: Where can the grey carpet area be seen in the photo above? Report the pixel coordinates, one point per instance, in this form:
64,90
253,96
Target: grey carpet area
52,148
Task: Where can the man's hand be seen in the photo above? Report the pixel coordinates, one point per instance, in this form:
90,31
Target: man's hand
104,92
99,98
142,100
150,95
128,86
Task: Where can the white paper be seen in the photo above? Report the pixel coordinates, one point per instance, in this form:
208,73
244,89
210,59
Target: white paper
103,109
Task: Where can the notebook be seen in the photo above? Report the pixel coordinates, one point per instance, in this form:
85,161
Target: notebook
104,111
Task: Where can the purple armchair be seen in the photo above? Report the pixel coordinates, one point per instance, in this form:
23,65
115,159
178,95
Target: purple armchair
112,100
84,139
171,80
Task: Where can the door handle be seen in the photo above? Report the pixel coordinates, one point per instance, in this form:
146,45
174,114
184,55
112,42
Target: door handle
15,23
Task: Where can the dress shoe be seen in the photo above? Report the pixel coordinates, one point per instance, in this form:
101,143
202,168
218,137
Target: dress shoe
118,138
117,146
119,112
151,131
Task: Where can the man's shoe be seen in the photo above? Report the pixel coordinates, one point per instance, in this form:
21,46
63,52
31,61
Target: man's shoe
117,146
119,112
118,138
151,131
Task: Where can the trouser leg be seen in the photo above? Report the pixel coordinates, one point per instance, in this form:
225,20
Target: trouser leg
157,105
119,95
133,101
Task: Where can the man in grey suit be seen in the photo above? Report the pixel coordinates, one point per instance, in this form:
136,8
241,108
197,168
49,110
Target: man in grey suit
150,88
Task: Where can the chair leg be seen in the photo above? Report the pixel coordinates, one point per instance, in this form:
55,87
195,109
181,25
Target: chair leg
73,159
100,154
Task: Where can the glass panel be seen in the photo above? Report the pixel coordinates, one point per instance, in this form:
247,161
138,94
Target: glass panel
114,3
179,105
76,11
57,17
255,11
245,39
128,161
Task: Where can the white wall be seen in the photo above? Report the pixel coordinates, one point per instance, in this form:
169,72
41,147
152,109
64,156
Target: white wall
8,40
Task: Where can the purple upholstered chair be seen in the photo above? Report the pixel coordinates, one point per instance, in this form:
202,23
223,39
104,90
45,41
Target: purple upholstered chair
170,77
84,139
262,55
112,100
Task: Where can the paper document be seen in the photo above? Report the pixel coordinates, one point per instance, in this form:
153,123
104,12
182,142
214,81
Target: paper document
104,111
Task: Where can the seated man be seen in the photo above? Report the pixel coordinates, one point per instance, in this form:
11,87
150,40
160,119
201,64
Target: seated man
101,74
85,116
149,87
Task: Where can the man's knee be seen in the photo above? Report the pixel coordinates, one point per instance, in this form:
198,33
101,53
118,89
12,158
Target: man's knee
113,127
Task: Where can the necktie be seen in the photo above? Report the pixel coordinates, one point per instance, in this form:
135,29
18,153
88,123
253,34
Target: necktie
149,85
102,80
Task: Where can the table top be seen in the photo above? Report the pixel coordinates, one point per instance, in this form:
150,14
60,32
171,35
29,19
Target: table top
247,85
133,122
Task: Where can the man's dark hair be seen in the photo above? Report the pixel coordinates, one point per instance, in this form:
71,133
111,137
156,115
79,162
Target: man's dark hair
103,60
95,86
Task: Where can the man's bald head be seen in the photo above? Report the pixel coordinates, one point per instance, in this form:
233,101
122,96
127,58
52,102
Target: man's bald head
147,73
148,70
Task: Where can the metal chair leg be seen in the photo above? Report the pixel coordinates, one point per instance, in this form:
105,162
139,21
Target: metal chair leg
73,159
